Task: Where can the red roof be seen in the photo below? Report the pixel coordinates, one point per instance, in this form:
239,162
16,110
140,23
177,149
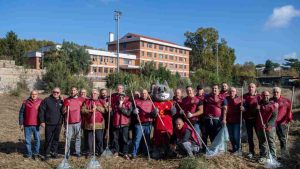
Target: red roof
142,36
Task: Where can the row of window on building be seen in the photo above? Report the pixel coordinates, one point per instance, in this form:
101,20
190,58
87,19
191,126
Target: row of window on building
162,56
167,65
162,47
107,59
103,70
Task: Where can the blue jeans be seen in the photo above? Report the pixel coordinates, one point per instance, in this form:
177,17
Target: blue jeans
74,131
234,135
138,136
28,131
198,131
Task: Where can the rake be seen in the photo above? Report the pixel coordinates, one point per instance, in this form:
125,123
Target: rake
64,164
107,152
94,163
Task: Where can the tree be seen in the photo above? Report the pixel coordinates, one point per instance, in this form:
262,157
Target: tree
66,66
292,63
206,48
245,72
269,67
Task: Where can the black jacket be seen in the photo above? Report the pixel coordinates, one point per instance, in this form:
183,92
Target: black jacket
50,111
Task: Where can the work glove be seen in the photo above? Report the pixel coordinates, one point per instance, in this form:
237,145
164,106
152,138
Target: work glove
189,115
136,111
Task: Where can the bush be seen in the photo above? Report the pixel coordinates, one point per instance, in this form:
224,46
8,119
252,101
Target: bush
193,163
21,87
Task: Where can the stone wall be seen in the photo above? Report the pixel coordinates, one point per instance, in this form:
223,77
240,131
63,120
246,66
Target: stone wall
10,75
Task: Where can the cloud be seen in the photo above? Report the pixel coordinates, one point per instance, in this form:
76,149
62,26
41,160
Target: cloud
282,16
290,56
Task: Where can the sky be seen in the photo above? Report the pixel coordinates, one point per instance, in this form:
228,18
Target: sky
257,29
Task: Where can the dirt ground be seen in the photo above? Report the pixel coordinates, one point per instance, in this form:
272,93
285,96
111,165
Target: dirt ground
12,148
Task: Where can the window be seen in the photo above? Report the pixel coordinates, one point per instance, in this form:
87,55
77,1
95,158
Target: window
143,53
161,47
94,58
100,69
124,45
149,45
142,43
111,60
160,64
171,49
105,70
161,56
154,55
171,65
184,51
127,62
180,51
171,57
184,66
166,56
184,59
95,70
101,59
155,46
176,66
180,59
176,58
180,66
166,48
149,54
111,70
176,50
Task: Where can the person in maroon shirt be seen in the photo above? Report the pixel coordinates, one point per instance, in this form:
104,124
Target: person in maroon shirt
186,139
193,108
215,109
145,111
265,122
250,103
93,107
284,117
74,103
224,90
200,93
28,121
177,99
233,118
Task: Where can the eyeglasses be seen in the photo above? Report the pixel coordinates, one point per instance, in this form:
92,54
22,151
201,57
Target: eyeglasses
55,92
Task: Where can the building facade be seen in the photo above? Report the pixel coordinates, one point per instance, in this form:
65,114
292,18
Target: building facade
166,54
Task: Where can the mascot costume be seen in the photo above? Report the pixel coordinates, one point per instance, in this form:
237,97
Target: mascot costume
164,110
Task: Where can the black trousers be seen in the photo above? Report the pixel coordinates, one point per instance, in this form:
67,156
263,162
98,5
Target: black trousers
120,140
281,131
250,125
89,139
52,133
211,129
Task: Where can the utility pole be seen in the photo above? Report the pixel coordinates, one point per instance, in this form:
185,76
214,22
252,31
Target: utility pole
217,52
117,19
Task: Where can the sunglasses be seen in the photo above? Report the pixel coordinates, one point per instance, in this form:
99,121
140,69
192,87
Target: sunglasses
55,92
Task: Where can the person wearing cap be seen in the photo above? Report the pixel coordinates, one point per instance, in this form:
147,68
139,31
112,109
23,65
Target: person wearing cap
122,109
93,108
200,93
284,117
73,103
268,111
51,118
28,121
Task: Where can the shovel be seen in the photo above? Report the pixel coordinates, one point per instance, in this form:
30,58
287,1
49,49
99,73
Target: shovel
94,163
64,164
107,152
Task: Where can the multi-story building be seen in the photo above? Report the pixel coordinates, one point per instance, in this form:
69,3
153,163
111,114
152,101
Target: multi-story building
103,62
167,54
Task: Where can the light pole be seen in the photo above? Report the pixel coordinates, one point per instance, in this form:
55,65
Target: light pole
117,19
217,52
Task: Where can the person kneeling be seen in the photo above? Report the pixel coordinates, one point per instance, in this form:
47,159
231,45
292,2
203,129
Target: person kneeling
186,139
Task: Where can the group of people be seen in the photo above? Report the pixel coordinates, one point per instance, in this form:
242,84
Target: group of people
191,121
